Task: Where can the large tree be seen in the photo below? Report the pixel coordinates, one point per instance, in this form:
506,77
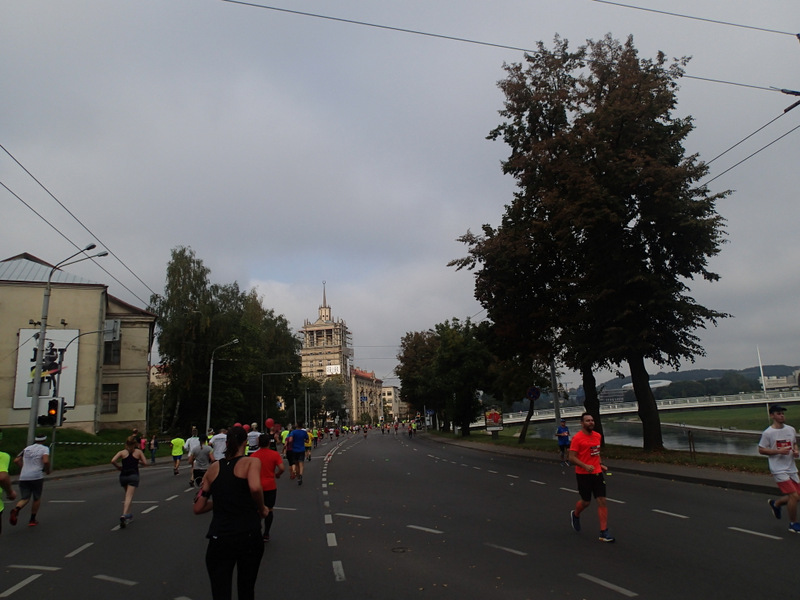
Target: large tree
196,317
608,224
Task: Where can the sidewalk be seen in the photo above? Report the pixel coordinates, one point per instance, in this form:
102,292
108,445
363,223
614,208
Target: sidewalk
734,480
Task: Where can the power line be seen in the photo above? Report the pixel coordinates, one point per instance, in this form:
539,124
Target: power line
752,155
682,16
721,154
70,213
76,246
450,37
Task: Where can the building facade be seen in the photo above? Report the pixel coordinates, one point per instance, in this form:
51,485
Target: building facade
97,348
393,406
326,350
366,404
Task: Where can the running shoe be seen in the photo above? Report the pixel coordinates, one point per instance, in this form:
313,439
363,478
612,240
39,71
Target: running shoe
794,527
606,537
266,538
576,521
122,522
299,480
128,518
12,518
33,523
776,510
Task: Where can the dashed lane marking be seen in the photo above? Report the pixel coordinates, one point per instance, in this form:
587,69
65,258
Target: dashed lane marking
513,476
669,514
331,539
79,550
425,529
352,516
758,533
328,519
338,570
608,585
115,580
537,482
147,510
19,586
171,498
509,550
34,567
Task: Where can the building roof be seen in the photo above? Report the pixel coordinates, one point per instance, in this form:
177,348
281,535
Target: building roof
27,268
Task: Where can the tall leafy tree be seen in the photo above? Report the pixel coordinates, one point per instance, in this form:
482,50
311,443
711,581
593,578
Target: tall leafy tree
608,223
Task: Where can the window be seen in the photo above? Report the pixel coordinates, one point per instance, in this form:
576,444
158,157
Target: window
111,352
110,398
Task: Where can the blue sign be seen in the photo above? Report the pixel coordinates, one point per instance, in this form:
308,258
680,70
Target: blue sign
534,393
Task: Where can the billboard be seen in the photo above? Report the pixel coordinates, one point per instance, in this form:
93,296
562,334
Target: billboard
59,369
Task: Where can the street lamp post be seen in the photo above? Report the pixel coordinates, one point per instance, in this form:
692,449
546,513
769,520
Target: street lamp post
37,371
211,381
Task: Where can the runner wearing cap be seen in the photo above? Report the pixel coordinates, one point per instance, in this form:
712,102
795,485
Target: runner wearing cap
779,444
34,462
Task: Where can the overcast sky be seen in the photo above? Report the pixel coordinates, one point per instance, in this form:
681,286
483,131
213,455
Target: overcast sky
287,150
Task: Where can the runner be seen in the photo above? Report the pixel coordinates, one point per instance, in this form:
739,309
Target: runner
200,458
177,453
296,451
309,443
584,453
779,444
218,443
130,458
5,484
562,434
271,469
34,463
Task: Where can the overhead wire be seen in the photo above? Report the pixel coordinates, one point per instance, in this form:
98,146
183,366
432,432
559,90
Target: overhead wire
447,37
90,232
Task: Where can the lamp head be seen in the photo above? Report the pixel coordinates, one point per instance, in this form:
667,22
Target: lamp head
90,247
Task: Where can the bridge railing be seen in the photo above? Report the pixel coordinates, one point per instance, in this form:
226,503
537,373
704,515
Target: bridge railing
614,408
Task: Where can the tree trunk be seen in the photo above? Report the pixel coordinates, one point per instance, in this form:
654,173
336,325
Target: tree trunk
648,411
591,401
524,431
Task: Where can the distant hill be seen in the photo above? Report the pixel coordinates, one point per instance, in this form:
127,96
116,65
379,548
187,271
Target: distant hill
703,374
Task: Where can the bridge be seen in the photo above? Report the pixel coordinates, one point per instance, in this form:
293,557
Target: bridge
619,408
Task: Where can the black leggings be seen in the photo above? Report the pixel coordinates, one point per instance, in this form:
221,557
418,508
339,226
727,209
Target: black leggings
242,551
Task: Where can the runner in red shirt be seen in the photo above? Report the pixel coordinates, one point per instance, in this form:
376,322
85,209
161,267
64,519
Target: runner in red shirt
271,468
584,453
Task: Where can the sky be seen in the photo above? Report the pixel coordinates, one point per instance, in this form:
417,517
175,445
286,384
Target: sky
287,150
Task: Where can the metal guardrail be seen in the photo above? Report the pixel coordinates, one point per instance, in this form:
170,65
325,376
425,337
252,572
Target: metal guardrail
616,408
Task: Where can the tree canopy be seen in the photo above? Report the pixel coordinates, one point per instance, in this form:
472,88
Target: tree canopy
196,317
592,259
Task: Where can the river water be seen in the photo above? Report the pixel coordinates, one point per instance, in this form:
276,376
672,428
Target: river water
675,438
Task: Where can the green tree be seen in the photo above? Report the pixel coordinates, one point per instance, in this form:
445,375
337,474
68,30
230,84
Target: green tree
608,223
418,378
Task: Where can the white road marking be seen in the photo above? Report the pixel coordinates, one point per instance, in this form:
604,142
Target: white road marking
477,468
338,570
511,550
147,510
425,529
328,519
78,550
615,501
771,537
490,471
66,501
115,580
19,586
352,516
144,502
513,476
537,482
609,585
171,498
282,508
35,567
331,539
569,490
669,514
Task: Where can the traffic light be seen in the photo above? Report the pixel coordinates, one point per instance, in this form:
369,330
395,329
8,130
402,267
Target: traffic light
62,412
49,419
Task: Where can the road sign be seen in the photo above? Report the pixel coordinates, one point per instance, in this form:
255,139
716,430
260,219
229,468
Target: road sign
534,393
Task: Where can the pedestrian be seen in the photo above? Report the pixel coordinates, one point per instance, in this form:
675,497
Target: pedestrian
232,490
153,449
5,484
779,444
200,459
296,451
252,438
562,435
584,453
308,443
34,463
218,443
177,453
193,441
271,469
129,460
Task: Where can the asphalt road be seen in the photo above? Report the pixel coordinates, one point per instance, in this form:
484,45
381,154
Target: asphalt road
388,517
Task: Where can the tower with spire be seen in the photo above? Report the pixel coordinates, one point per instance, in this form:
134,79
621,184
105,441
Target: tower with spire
326,350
